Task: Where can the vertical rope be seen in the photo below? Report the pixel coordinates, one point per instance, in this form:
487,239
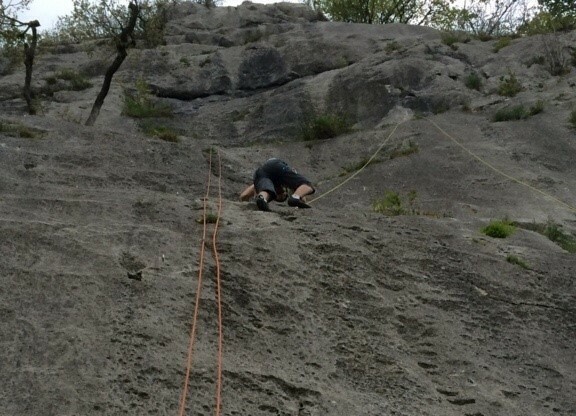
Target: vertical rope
218,295
183,397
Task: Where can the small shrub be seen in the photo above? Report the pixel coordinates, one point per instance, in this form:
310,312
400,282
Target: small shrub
517,261
392,47
240,115
16,130
537,108
537,60
162,132
406,148
499,229
253,35
509,86
391,204
77,81
450,39
324,127
473,81
501,43
572,119
353,167
557,55
518,112
484,37
141,105
554,232
440,106
211,218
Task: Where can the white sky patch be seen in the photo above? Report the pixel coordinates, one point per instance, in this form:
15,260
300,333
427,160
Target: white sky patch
48,11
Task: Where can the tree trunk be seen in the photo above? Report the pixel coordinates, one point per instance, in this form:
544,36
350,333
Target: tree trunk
29,52
122,45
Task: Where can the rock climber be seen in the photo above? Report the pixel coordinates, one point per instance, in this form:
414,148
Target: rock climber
273,180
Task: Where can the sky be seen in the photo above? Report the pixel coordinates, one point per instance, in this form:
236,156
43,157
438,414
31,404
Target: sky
47,11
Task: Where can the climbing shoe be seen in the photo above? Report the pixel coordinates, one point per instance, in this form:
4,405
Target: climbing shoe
297,202
262,203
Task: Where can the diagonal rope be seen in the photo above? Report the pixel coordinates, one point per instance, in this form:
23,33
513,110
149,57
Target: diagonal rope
359,170
499,171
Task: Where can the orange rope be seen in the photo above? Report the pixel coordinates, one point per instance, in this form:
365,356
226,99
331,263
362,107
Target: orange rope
218,294
183,398
197,306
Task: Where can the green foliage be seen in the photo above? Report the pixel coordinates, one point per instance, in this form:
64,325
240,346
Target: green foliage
371,11
450,39
537,108
77,81
210,218
499,229
392,204
518,112
482,18
13,33
325,126
407,148
16,130
536,60
161,132
558,56
501,43
473,81
509,86
554,233
104,19
354,167
517,261
392,47
559,8
545,22
572,119
141,105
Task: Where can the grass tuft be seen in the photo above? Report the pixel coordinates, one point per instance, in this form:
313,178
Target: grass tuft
572,119
501,43
518,112
141,105
473,81
554,232
17,130
517,261
161,132
392,204
324,127
77,81
509,86
499,229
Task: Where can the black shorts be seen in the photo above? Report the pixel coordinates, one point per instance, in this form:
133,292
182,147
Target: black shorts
276,173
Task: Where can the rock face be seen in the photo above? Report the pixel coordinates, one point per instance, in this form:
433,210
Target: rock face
336,310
